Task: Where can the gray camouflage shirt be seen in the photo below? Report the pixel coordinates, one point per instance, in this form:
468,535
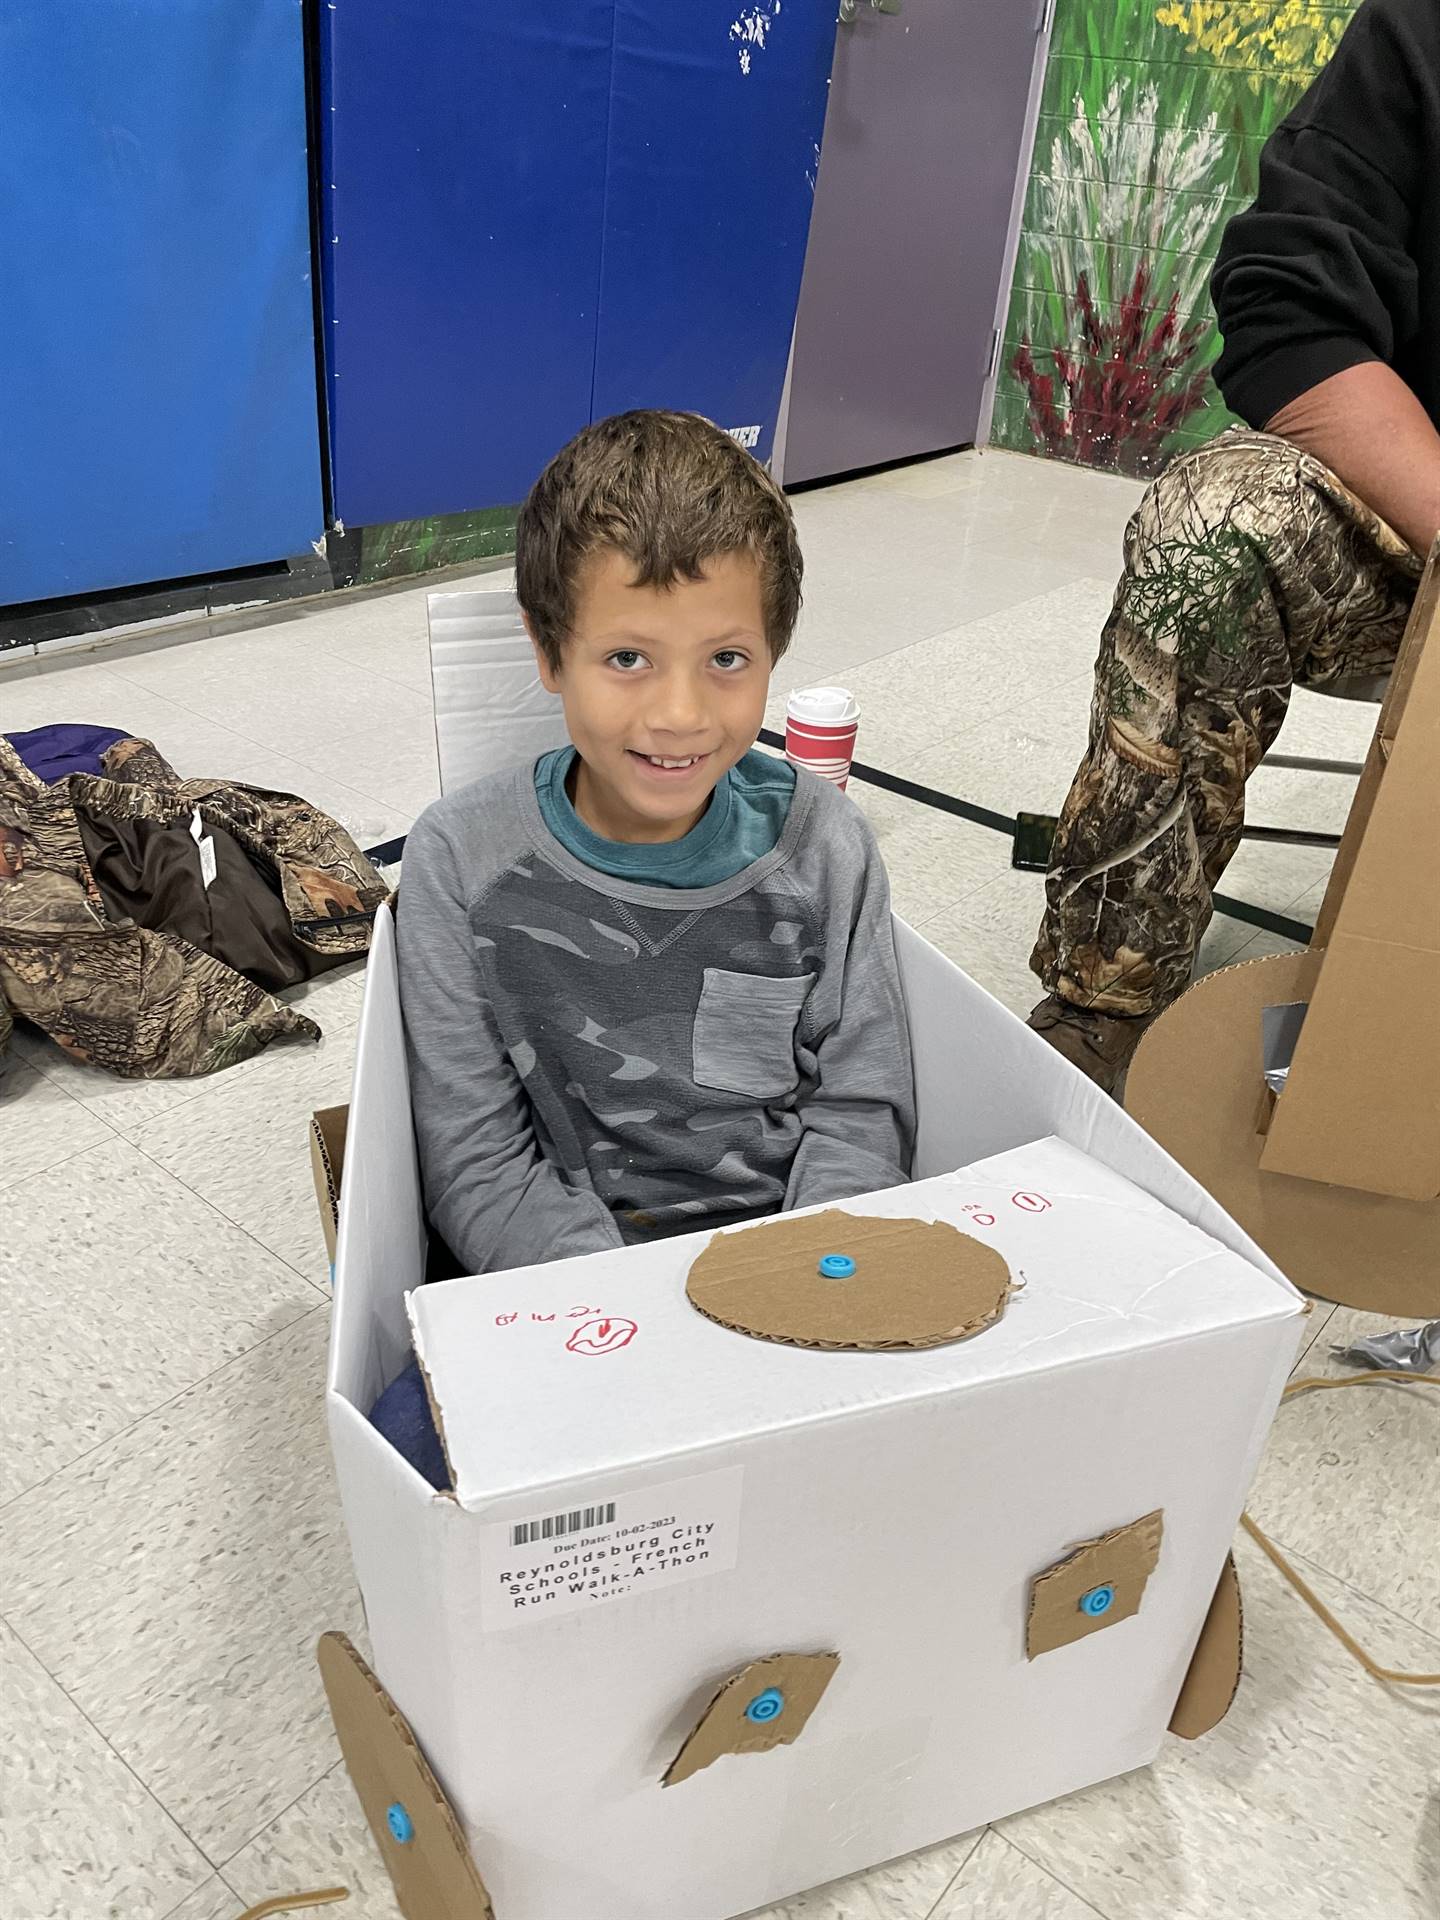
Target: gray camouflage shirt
595,1062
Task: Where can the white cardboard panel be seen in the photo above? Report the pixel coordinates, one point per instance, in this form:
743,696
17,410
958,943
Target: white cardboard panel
490,708
984,1082
380,1244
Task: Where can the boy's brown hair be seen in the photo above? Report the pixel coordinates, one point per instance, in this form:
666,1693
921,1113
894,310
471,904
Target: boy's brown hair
669,491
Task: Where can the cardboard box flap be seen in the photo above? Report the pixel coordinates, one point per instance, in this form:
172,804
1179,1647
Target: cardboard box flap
1017,1088
602,1340
381,1240
765,1705
490,709
910,1283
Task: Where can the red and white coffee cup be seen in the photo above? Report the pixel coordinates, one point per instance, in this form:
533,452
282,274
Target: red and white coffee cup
820,728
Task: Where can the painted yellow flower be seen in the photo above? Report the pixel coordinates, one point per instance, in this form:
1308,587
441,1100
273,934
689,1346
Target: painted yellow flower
1267,36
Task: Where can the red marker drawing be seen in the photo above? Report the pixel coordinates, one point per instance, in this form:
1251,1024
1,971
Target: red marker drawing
602,1336
1031,1202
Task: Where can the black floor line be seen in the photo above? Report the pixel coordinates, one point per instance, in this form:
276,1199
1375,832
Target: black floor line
390,850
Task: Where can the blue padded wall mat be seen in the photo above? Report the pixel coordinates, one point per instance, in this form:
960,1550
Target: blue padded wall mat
717,112
464,179
161,415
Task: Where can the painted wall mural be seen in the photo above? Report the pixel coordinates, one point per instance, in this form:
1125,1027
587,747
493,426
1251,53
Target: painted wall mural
1150,131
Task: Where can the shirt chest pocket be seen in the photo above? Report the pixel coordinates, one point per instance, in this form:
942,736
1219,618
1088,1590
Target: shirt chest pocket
745,1033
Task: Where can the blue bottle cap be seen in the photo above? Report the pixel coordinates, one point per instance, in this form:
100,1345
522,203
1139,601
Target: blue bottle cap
837,1266
768,1705
1097,1601
400,1824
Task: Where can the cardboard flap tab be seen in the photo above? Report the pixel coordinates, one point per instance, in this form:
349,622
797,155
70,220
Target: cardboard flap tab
765,1705
1099,1583
844,1280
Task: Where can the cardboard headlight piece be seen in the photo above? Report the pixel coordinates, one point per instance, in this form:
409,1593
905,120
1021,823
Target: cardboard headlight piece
875,1525
841,1280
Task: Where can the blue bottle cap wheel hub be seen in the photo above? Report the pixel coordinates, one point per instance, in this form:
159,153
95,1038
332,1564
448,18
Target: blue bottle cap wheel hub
837,1266
766,1706
1097,1601
400,1824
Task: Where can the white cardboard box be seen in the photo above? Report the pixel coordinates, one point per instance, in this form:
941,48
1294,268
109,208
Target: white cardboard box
893,1507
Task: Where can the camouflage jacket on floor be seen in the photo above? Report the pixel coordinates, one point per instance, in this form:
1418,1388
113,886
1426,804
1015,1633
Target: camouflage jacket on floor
136,1000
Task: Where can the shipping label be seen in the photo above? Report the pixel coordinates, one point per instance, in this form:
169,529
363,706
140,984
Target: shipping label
592,1551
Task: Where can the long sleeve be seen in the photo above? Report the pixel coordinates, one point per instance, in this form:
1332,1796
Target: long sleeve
858,1121
489,1190
1322,272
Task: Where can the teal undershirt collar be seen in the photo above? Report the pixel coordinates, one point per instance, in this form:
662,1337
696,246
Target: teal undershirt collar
742,823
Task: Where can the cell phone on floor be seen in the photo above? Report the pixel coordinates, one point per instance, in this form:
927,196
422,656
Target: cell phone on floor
1034,833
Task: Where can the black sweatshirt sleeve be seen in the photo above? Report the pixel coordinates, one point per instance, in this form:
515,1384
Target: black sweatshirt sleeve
1320,273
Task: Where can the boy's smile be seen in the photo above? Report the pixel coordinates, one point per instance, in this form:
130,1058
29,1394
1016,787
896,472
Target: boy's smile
664,691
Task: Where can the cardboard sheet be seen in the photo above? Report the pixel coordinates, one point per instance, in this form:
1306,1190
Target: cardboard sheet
1094,1587
765,1705
1360,1107
916,1283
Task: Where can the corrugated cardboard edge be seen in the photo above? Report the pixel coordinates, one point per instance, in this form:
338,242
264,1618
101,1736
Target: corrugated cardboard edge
1213,1677
442,1493
1123,1559
434,1873
328,1127
722,1728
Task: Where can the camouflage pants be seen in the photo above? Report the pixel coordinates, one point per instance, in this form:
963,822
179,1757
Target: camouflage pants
1249,568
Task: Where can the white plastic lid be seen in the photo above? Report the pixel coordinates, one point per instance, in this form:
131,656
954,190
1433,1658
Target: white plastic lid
830,705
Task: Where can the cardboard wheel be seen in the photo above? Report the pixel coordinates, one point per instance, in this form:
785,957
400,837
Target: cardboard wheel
1195,1085
414,1826
1214,1675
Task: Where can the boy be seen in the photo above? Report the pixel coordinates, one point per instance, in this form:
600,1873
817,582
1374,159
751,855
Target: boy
649,983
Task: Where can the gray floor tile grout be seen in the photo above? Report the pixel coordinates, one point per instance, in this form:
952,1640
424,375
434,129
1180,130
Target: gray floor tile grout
74,1153
1050,1873
44,1066
186,1898
109,1744
264,1828
205,1200
944,1894
13,1501
1304,1560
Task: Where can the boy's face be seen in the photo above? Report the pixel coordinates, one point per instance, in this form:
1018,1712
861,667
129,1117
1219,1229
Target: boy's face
664,690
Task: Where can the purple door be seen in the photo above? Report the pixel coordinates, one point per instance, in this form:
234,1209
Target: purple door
923,136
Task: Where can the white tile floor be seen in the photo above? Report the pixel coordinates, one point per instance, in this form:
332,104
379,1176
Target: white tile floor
170,1546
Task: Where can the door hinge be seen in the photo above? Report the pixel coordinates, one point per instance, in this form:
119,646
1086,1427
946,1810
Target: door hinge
1047,16
990,370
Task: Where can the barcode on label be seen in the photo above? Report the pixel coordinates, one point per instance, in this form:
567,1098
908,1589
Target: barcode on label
558,1525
